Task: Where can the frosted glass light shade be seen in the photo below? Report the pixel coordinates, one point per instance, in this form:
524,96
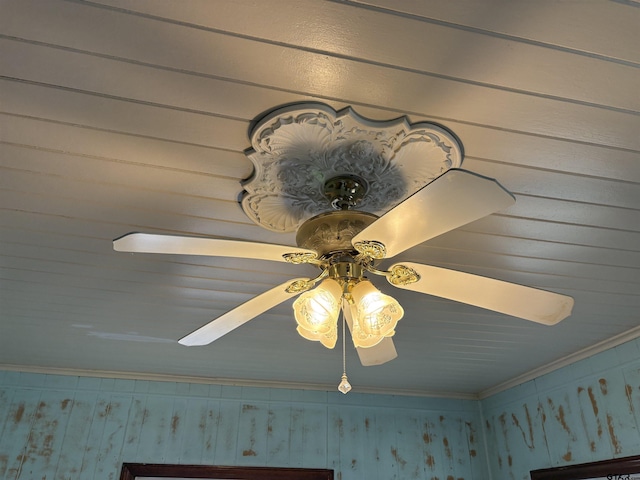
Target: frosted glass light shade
317,311
364,340
328,339
376,315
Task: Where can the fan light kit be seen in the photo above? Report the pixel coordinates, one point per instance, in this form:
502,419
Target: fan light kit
356,192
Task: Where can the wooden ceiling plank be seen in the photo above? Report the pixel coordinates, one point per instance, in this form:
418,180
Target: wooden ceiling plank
64,247
121,116
112,265
226,98
30,168
474,242
117,78
386,39
157,281
363,83
560,233
455,241
562,186
576,213
442,249
100,251
128,218
117,147
207,302
496,264
18,260
92,228
123,181
565,25
126,287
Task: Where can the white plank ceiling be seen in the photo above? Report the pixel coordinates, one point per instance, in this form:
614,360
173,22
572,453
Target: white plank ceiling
121,116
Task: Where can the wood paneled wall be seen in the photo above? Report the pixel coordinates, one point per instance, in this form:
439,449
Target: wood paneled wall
66,427
585,412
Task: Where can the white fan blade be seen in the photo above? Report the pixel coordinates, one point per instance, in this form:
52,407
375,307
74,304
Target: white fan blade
519,301
171,244
454,199
381,353
239,315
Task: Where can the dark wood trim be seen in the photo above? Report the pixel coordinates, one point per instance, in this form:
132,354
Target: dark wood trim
605,468
132,470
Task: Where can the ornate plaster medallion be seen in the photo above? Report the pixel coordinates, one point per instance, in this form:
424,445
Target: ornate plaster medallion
298,150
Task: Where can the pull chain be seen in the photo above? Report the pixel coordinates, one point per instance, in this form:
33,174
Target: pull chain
344,386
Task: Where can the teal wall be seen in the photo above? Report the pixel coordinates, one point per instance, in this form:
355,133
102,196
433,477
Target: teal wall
585,412
67,427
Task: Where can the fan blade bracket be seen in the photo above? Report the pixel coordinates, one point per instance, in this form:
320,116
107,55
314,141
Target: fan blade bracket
402,275
371,249
303,284
299,286
299,258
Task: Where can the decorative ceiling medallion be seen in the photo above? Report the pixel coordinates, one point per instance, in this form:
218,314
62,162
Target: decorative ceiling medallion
296,150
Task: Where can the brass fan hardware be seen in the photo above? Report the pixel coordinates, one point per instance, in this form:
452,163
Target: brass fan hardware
356,192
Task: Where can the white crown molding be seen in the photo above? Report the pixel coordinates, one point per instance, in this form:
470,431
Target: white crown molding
223,381
514,382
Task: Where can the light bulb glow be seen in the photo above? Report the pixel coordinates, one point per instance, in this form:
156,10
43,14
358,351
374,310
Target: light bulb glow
375,315
317,312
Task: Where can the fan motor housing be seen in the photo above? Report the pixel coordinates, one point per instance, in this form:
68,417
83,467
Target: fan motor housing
332,232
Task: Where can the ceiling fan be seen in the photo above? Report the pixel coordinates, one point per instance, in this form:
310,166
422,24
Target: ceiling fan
354,191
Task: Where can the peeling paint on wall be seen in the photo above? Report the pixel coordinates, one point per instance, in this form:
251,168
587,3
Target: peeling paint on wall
575,420
82,432
74,433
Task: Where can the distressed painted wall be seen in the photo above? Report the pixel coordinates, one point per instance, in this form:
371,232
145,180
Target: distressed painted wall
585,412
65,427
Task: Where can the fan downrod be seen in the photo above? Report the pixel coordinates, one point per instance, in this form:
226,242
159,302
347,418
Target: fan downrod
345,191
